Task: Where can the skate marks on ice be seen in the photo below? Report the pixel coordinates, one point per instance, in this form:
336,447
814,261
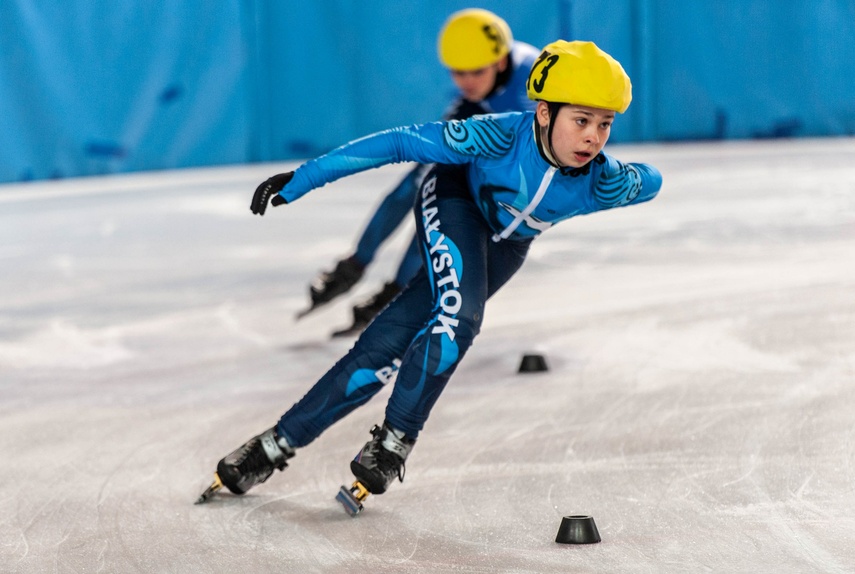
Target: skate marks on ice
698,402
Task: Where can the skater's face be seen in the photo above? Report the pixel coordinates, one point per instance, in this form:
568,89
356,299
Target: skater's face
579,134
475,85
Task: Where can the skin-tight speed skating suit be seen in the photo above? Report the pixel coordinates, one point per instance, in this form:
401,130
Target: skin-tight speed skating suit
476,212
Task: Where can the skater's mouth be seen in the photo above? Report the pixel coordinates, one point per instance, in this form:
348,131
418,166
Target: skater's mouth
582,156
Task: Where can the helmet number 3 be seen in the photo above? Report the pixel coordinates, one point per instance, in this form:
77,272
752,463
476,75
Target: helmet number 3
539,83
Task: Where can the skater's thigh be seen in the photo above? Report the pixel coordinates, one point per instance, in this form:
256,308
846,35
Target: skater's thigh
504,259
410,263
453,237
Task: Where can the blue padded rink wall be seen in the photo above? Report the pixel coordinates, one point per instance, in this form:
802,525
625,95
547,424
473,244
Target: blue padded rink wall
698,402
99,87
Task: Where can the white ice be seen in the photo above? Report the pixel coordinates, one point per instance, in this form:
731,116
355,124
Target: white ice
700,401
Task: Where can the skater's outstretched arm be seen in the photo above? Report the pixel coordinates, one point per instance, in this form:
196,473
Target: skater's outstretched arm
453,142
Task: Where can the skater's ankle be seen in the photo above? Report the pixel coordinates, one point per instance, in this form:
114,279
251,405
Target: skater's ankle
397,441
276,446
283,442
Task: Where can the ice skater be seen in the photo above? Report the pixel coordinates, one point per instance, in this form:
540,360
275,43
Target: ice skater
500,181
489,69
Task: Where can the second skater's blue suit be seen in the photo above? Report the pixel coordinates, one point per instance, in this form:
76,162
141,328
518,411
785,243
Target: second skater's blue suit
509,97
476,212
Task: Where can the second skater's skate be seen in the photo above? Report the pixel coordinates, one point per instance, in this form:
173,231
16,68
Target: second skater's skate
364,313
330,284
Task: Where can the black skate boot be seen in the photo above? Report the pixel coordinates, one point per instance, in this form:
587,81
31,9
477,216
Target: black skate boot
330,284
382,458
254,462
364,313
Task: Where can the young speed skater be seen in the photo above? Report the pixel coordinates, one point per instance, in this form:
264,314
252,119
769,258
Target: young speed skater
489,69
500,180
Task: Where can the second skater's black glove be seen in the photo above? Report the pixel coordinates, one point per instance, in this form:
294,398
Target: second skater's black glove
463,109
269,191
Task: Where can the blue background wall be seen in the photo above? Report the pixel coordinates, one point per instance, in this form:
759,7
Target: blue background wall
102,86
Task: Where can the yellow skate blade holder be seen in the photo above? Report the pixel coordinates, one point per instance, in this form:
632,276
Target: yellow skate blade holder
352,498
209,492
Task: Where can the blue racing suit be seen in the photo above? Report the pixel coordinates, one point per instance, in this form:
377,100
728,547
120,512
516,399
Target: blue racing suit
476,215
510,96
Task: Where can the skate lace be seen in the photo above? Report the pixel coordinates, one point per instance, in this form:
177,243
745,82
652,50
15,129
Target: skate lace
388,461
250,462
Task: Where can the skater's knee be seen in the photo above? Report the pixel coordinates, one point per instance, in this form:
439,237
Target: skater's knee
389,334
448,346
469,327
461,328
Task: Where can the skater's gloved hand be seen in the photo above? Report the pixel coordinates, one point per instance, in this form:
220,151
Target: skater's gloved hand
269,191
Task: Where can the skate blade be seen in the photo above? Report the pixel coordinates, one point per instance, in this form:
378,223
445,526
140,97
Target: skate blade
211,490
351,498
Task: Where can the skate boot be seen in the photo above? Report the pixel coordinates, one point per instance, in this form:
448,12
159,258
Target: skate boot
250,464
330,284
364,313
376,466
382,458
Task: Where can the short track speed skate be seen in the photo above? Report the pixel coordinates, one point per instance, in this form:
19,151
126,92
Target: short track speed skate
330,284
352,498
376,466
364,313
250,464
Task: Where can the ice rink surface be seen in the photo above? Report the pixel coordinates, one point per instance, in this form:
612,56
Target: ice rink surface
700,401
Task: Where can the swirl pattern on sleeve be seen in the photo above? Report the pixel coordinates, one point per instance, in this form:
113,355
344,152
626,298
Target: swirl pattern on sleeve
484,137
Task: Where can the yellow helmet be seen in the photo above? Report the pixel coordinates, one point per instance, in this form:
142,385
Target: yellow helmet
473,39
579,73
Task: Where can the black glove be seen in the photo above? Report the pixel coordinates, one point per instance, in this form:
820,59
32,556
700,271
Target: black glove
462,109
269,191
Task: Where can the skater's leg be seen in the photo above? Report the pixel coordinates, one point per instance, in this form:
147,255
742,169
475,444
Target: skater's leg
362,372
464,268
458,253
504,259
459,291
410,263
365,311
351,382
348,271
388,215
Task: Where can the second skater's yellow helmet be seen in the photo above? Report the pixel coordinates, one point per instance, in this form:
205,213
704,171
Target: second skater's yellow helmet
472,39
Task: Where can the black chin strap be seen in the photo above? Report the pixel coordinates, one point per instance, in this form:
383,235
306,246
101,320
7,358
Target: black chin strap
554,107
545,148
